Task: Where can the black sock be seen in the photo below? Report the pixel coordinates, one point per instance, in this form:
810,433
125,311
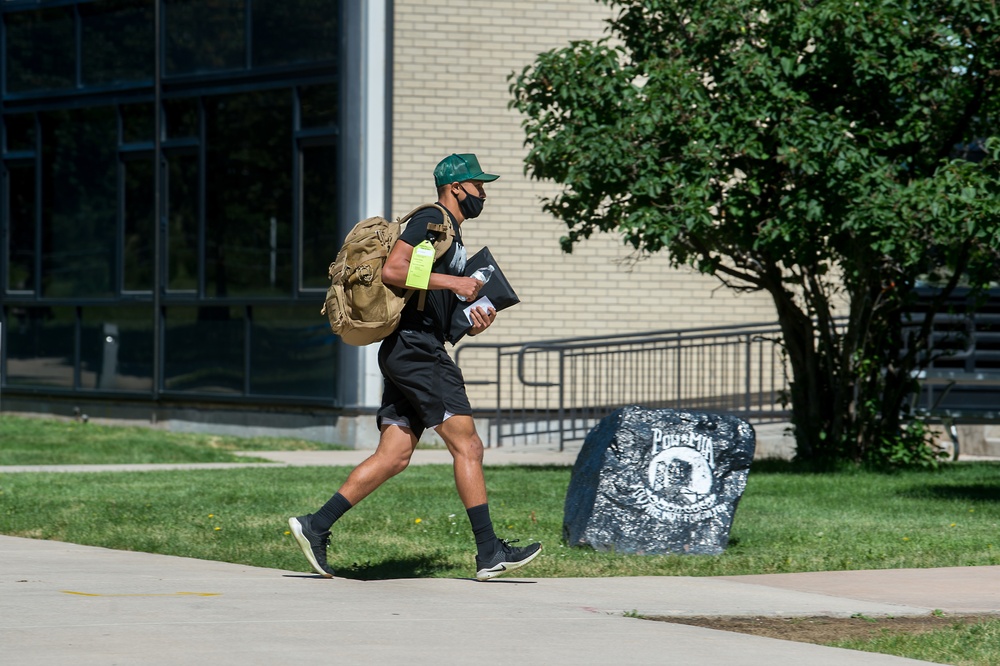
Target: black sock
335,507
482,528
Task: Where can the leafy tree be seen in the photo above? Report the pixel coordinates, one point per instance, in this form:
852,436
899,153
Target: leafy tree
803,148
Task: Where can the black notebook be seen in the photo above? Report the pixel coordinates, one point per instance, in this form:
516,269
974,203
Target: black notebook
496,292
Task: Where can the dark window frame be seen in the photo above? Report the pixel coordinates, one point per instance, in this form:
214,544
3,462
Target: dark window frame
290,77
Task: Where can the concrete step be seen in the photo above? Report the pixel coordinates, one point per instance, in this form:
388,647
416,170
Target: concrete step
979,440
774,440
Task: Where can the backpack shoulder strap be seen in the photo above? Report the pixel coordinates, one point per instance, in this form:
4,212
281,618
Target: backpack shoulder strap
445,231
445,236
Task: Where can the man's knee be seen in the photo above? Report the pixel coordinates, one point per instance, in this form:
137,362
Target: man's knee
394,463
471,448
395,449
459,433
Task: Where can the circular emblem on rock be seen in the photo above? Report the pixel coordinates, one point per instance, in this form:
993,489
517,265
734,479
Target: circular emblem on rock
680,474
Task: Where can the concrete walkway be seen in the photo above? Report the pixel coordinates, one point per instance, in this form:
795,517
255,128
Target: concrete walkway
68,604
535,455
71,604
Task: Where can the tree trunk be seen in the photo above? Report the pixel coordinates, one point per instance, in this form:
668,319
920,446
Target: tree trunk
808,414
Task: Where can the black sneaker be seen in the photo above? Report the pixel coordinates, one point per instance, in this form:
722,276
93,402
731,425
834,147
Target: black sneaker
505,559
313,545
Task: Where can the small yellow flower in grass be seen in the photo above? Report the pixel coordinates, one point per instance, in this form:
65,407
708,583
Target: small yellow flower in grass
953,524
211,515
218,529
417,521
287,532
906,538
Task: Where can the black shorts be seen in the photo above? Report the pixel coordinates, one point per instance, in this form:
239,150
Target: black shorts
422,384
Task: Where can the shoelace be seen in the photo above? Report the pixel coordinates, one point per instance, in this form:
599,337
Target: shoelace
324,542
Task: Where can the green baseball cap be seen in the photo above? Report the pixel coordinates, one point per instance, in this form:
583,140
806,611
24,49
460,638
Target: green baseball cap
458,168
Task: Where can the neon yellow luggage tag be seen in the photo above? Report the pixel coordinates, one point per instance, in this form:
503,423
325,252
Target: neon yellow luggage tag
421,262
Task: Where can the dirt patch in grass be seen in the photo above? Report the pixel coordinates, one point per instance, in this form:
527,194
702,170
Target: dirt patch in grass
826,630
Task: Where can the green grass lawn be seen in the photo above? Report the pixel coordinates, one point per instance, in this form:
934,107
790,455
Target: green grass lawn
416,526
962,644
49,441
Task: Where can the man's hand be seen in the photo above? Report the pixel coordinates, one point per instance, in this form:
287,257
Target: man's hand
467,288
481,319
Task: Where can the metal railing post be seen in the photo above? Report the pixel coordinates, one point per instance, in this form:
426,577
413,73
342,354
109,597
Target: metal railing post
746,372
499,396
562,394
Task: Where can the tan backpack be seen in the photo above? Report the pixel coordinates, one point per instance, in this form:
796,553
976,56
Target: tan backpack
360,307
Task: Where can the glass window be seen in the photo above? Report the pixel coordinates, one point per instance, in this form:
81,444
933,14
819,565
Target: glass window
294,31
293,352
248,192
20,132
203,349
181,118
138,122
139,225
318,106
320,236
40,345
22,225
116,348
182,221
205,35
79,201
41,49
117,41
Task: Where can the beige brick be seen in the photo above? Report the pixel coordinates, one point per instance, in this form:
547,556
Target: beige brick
453,97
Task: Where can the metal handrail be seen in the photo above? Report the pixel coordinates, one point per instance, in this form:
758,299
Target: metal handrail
580,380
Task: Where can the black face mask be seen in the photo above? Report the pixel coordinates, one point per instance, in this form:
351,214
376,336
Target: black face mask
471,206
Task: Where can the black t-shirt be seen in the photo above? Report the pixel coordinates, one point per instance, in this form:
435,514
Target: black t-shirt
440,302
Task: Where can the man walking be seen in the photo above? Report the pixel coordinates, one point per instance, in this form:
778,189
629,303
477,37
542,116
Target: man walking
423,388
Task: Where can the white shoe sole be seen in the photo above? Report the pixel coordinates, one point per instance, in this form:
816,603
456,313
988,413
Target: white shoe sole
296,527
505,567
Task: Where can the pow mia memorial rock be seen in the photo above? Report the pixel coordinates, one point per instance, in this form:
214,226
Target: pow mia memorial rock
657,481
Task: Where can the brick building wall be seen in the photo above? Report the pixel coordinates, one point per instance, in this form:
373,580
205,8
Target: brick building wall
451,64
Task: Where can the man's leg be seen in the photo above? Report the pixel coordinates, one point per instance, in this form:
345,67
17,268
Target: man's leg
494,557
312,531
395,448
466,448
